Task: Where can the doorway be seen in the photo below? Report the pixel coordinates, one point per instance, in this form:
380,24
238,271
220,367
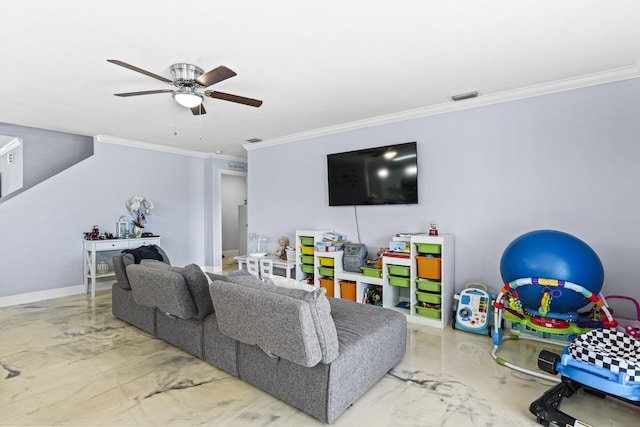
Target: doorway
233,226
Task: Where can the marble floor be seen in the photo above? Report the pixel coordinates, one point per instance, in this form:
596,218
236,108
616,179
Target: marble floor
68,361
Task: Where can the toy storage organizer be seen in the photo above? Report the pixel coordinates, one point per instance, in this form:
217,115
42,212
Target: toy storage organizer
420,285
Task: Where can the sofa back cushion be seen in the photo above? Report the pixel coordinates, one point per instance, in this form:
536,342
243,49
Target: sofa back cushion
320,311
198,286
120,263
280,325
304,304
162,288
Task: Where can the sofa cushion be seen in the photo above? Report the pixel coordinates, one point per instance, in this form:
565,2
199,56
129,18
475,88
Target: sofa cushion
285,282
150,262
280,325
250,281
120,263
319,309
321,314
161,288
198,286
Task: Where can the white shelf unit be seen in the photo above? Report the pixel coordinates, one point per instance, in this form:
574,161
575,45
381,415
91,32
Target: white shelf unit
447,279
392,295
316,235
361,281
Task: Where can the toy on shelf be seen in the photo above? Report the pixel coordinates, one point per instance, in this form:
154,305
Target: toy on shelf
433,229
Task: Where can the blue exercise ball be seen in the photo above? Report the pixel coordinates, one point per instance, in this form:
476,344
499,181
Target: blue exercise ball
552,254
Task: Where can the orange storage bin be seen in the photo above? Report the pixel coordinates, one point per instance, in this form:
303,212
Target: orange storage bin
429,267
328,285
348,290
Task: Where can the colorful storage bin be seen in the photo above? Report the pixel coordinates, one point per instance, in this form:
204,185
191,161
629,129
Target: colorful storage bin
328,285
307,268
347,290
428,285
429,248
306,241
429,267
434,313
306,259
399,270
328,262
306,250
325,271
428,297
402,282
371,272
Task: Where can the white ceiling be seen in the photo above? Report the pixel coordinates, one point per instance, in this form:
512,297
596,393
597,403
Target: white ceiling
315,64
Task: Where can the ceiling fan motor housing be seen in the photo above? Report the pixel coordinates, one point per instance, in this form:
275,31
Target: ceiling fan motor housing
185,74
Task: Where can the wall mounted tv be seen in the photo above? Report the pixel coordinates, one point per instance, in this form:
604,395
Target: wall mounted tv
374,176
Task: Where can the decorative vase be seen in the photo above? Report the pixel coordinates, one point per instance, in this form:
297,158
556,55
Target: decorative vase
137,231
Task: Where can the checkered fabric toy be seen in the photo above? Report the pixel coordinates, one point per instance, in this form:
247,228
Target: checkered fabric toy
609,349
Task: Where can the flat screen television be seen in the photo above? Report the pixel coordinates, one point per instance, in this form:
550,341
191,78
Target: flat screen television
374,176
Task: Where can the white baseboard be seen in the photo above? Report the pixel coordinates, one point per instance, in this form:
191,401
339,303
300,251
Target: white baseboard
48,294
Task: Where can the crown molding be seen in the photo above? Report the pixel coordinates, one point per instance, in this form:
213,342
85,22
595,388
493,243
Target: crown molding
164,148
607,76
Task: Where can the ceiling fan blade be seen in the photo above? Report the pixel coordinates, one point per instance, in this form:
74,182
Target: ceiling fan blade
233,98
139,70
216,75
144,92
198,109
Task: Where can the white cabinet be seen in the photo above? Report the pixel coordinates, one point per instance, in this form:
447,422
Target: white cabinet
98,254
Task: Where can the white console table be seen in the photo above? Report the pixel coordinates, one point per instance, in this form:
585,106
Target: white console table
105,249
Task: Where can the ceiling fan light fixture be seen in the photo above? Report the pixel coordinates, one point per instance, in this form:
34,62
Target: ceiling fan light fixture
187,97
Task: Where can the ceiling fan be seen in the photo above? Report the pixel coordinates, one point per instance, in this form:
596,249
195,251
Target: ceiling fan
190,82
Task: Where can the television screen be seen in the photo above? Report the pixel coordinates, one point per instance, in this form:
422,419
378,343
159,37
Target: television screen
374,176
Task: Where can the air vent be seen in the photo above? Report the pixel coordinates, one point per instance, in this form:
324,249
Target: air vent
254,140
463,96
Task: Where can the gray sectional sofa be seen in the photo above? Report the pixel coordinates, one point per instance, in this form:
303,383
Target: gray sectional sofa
318,354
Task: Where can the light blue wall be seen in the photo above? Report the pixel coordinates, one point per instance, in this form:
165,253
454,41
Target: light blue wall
41,229
565,161
45,152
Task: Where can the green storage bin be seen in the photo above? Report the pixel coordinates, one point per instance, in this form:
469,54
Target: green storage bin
325,271
399,270
306,241
428,285
433,313
428,297
307,259
429,248
402,282
371,272
307,268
